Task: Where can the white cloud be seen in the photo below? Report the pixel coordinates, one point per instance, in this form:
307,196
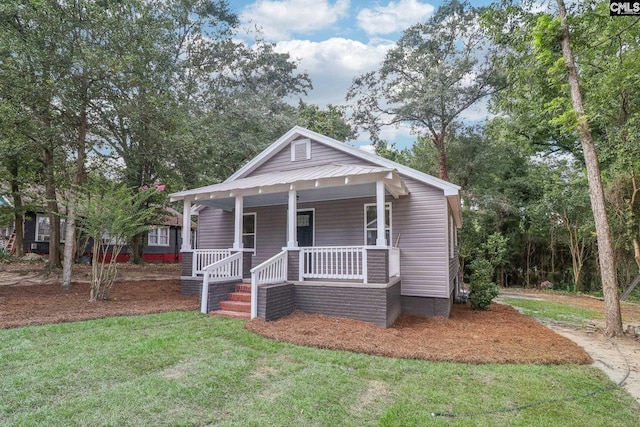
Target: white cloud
332,64
393,17
280,19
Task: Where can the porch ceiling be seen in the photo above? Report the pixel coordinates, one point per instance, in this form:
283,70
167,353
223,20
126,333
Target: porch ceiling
327,182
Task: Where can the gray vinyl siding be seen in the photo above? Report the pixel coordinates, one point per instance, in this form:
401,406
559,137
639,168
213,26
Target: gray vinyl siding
271,232
320,155
421,221
215,229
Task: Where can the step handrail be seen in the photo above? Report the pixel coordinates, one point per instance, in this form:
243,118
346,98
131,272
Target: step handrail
272,271
227,269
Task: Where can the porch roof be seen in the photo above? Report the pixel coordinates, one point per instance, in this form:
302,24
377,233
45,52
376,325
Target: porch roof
318,178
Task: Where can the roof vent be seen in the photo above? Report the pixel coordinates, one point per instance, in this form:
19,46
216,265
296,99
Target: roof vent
301,150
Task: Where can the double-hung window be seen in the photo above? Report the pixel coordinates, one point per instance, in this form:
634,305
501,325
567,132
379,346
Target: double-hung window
249,231
158,236
371,224
43,228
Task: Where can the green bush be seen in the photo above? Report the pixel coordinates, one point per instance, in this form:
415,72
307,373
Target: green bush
482,290
5,257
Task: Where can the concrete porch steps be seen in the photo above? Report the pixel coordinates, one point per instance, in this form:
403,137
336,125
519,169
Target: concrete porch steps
238,305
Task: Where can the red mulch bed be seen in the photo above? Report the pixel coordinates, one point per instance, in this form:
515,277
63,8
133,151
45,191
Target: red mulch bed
43,304
501,335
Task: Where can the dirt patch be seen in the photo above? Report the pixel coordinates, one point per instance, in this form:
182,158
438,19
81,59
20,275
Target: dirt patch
500,335
36,273
43,304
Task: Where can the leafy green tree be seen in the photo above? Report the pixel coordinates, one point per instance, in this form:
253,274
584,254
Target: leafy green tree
436,71
330,121
538,59
111,216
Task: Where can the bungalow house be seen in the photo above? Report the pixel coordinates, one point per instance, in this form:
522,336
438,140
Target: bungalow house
320,226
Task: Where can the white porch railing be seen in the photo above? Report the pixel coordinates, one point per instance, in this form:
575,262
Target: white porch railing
394,262
273,270
335,262
224,270
205,257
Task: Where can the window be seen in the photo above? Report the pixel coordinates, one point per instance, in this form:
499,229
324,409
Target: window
371,224
301,150
43,229
249,231
109,240
158,236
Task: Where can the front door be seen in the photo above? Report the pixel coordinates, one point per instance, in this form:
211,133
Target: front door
305,227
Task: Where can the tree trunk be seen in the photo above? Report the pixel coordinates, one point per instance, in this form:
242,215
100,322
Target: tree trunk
70,238
69,249
606,255
52,208
438,142
17,206
137,248
633,225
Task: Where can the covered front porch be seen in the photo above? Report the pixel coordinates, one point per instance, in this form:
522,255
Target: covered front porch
299,212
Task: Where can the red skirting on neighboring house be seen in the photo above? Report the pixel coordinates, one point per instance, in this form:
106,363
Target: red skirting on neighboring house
162,258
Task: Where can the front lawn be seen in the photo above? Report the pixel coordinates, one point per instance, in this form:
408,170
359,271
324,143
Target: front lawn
553,311
183,368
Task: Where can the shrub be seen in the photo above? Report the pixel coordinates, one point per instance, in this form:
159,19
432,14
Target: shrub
482,290
5,257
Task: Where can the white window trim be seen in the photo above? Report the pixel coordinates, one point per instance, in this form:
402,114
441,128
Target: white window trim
307,143
156,231
255,231
387,205
62,229
107,239
451,238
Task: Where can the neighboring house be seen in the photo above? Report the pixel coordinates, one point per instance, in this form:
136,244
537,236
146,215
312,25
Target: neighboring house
324,227
162,245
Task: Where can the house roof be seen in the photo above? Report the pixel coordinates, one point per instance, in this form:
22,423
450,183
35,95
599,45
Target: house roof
173,218
297,132
331,175
277,182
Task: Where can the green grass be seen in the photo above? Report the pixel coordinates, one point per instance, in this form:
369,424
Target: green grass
553,311
186,369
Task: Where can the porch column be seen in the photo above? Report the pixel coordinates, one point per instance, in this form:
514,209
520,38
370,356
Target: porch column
292,234
237,231
186,226
381,240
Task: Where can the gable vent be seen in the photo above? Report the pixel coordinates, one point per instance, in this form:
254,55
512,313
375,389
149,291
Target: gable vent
301,150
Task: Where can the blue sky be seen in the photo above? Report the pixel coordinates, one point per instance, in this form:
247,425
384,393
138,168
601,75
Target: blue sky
337,40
